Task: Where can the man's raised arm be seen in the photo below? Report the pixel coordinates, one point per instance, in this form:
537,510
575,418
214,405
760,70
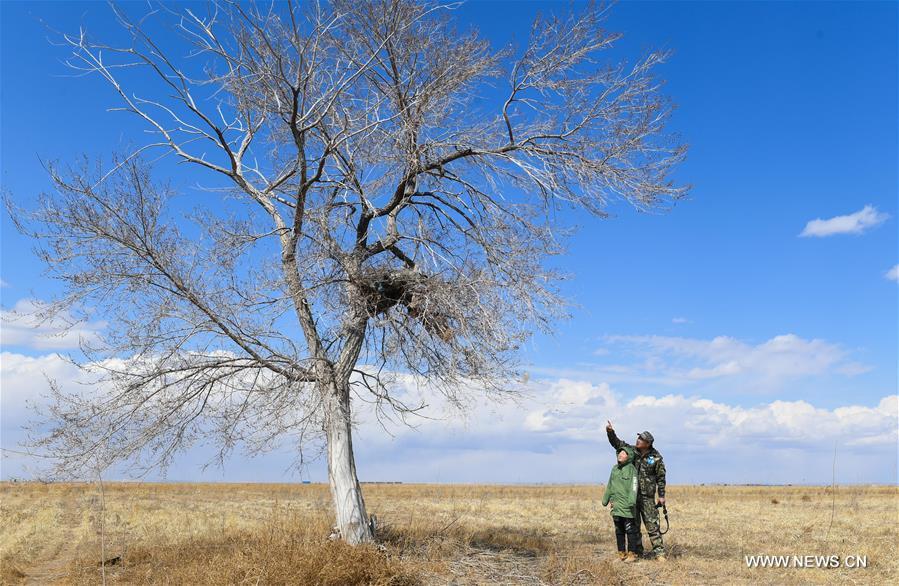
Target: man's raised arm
613,439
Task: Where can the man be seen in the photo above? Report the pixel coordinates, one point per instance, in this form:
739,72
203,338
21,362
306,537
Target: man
650,479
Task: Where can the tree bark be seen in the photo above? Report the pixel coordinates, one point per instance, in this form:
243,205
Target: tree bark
352,519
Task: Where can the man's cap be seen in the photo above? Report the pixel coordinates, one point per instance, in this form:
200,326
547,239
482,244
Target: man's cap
645,436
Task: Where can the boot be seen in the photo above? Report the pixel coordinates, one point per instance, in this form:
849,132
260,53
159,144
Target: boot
622,555
660,555
631,558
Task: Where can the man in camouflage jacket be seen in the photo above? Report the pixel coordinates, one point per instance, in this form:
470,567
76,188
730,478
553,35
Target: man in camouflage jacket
650,479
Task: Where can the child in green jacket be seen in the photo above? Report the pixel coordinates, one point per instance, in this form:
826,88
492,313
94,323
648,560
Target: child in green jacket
621,491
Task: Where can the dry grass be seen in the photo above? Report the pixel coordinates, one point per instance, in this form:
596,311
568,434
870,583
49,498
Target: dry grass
432,534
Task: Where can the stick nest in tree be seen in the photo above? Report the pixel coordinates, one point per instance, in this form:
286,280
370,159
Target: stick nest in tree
418,293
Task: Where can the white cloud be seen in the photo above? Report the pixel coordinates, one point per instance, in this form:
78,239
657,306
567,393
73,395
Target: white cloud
24,378
679,320
555,434
706,423
24,326
3,284
893,273
678,361
558,435
855,223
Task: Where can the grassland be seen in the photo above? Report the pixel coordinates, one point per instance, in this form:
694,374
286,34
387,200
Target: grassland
431,534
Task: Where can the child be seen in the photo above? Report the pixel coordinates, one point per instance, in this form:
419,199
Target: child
621,491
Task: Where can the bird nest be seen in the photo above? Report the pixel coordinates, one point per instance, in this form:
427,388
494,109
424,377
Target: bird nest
416,292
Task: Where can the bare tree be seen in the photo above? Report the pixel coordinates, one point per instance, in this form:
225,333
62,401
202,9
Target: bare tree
386,203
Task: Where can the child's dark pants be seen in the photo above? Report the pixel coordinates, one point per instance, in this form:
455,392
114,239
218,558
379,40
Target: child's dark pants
627,527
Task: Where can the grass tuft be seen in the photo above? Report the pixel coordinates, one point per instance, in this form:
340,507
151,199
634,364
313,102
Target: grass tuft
286,550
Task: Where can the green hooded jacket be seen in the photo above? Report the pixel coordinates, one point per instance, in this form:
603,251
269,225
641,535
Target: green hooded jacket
622,487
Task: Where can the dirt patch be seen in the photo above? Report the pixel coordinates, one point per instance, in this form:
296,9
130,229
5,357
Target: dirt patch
51,567
487,566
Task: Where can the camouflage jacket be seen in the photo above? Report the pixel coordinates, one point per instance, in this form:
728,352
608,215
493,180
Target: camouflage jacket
650,467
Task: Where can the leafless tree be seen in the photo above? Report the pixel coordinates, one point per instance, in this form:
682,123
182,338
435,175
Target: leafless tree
385,205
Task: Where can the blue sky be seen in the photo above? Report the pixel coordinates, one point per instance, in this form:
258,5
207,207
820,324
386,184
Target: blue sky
716,322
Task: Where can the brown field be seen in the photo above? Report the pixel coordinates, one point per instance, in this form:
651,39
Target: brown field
432,534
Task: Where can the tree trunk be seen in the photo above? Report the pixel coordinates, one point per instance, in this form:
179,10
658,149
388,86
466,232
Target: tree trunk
352,520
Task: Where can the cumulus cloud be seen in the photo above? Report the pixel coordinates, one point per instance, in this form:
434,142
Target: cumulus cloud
678,361
856,223
571,400
25,378
558,435
893,273
706,423
552,433
23,382
24,326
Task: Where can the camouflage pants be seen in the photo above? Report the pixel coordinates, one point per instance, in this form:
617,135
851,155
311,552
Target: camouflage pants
646,506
